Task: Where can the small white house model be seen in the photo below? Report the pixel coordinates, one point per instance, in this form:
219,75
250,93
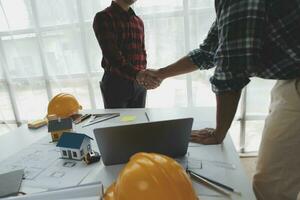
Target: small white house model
74,145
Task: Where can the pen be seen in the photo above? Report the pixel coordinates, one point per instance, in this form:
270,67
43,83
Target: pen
81,119
214,182
200,179
147,117
95,122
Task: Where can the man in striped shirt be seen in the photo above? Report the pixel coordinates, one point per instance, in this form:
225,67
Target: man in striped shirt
120,34
255,38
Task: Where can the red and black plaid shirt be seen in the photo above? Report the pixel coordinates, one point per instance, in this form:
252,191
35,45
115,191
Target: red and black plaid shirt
121,37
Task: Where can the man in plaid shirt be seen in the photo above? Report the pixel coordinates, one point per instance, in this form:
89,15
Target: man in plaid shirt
255,38
120,33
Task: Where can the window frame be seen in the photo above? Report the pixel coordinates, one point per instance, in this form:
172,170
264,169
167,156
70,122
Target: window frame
186,11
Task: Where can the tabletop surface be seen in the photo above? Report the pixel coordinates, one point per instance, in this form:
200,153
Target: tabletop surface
218,162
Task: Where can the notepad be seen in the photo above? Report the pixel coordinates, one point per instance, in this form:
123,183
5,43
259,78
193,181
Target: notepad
10,183
128,118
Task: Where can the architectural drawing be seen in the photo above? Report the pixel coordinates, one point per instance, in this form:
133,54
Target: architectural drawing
44,168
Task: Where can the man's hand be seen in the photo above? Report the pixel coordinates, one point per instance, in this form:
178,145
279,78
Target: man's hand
205,136
149,78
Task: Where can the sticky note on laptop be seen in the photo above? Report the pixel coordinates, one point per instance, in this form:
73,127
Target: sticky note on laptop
128,118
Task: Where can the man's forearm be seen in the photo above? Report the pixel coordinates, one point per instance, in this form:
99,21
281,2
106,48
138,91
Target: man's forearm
182,66
227,104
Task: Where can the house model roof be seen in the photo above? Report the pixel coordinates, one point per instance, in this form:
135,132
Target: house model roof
71,140
59,124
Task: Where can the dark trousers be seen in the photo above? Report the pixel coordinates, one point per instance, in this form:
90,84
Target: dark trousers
119,92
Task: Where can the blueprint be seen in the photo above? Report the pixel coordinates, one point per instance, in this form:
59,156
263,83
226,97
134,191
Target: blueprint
91,191
43,167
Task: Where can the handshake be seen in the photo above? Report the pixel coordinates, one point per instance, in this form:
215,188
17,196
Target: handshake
149,78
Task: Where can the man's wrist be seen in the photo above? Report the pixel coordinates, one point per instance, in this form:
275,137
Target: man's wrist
163,73
219,135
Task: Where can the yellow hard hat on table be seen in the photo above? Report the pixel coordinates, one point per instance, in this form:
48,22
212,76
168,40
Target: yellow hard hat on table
63,105
149,176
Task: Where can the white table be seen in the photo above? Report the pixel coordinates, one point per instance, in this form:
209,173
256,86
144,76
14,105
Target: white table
220,161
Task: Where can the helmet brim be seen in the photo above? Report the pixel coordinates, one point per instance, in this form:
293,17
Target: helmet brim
110,193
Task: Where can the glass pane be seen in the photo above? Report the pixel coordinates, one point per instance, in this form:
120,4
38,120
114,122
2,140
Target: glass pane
202,93
57,12
3,21
254,131
1,72
164,40
148,7
94,51
16,15
200,23
22,55
6,111
91,7
171,93
97,92
162,50
63,52
31,98
234,132
202,3
259,91
75,86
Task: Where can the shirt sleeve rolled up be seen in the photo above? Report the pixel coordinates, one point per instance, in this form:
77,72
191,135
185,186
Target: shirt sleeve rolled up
234,45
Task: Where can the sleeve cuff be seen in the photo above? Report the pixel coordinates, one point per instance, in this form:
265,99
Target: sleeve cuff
221,86
201,58
193,55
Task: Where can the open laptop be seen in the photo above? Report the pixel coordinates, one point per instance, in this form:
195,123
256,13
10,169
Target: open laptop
118,144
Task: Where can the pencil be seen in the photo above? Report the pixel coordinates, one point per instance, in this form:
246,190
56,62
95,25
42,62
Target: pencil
82,118
214,182
147,117
95,122
202,180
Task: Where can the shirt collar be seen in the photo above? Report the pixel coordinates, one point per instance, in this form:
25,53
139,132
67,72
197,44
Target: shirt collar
120,10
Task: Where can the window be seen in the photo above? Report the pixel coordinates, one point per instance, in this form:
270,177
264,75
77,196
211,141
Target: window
81,152
64,152
47,47
74,154
88,147
18,17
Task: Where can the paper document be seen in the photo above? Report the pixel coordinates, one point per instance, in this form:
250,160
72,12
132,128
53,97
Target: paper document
216,168
92,191
43,167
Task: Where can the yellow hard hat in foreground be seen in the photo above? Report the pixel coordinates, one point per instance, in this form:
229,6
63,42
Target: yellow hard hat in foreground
149,176
63,105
